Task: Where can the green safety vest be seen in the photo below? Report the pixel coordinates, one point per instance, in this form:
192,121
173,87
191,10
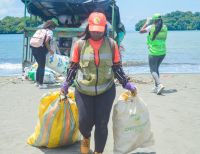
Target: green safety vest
91,79
157,47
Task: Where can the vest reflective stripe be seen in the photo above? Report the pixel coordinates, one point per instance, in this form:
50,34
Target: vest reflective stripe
102,56
91,89
106,56
91,79
158,46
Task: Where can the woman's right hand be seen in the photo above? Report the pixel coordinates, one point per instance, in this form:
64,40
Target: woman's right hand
64,88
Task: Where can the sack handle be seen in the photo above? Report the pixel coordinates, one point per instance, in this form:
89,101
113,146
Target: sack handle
63,97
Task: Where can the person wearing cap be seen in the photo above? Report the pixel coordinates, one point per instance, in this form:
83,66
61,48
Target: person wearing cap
156,41
40,53
95,61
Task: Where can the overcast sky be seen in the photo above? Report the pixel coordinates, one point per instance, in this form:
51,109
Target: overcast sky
131,10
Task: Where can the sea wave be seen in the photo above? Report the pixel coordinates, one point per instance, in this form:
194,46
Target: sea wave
10,66
164,68
141,63
130,67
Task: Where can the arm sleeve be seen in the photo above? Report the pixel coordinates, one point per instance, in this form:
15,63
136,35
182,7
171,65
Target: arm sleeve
71,73
74,65
119,73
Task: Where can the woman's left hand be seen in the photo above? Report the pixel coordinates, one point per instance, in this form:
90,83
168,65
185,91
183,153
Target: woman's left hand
130,86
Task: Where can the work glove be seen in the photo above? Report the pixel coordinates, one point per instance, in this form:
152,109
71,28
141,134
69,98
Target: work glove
130,86
64,88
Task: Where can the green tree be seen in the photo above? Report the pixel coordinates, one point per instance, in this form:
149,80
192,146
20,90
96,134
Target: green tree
178,21
15,25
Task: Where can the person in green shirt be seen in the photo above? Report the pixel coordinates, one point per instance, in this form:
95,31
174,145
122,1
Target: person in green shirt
156,41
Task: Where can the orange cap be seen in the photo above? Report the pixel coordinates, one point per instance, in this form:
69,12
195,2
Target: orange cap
97,22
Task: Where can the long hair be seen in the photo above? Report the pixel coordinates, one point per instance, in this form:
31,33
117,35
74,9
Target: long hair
86,34
158,27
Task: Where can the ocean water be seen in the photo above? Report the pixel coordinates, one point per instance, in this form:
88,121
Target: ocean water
183,53
11,47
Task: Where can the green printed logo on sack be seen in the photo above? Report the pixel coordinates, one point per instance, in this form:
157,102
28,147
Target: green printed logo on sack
137,128
136,118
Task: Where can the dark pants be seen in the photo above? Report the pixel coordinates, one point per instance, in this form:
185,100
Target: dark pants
95,111
154,64
40,57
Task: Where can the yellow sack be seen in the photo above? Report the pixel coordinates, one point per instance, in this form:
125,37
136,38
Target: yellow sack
58,121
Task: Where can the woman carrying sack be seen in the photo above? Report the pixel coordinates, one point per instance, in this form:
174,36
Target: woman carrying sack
41,45
94,63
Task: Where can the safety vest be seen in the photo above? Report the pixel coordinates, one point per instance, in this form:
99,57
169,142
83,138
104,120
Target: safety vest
91,79
157,47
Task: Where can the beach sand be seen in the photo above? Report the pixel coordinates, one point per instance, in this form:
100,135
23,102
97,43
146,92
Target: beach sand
175,115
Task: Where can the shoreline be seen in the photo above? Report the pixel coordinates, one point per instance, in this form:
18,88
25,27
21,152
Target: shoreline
131,74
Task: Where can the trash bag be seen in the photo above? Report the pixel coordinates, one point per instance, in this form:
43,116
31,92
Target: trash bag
57,63
58,121
49,75
131,124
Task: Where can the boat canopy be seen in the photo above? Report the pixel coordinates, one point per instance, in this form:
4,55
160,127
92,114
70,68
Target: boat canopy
47,9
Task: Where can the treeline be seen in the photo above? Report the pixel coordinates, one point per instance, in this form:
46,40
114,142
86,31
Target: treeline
175,21
178,21
15,25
